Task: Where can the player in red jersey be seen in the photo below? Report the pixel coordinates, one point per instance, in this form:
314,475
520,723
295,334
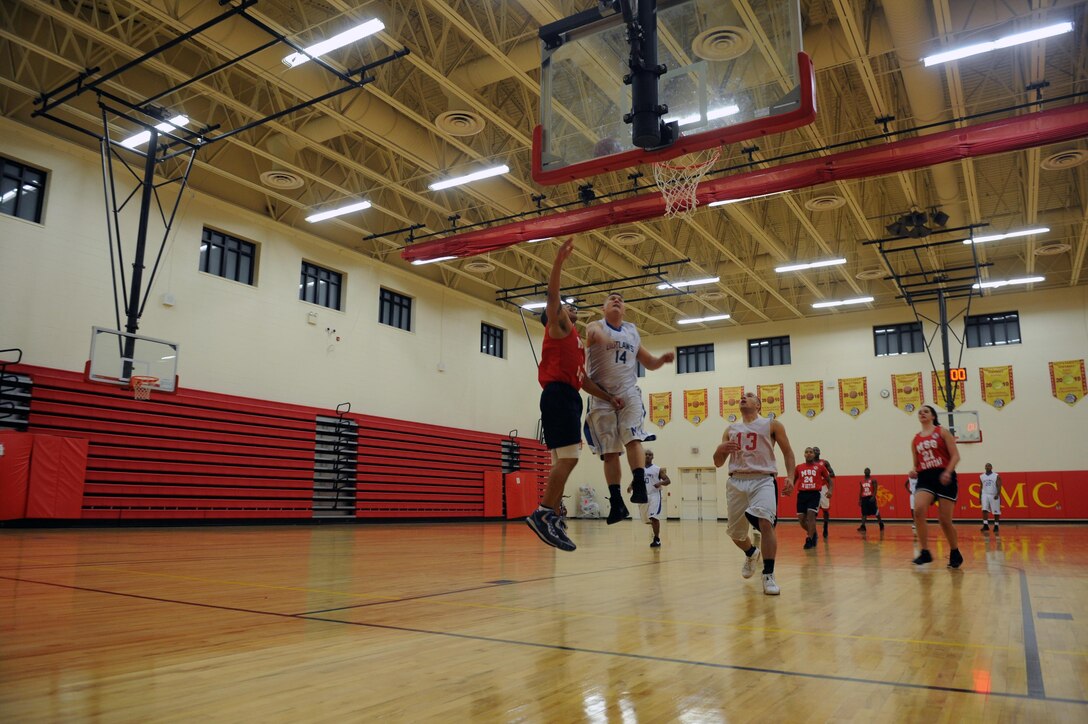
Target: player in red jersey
810,475
561,374
935,459
867,500
825,492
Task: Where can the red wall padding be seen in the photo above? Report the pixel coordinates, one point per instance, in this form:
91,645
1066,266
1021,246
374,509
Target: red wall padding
197,455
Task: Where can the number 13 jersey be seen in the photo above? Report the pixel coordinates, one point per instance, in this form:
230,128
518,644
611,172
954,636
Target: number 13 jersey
756,453
612,365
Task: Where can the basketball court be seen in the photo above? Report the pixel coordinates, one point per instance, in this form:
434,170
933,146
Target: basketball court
464,621
309,207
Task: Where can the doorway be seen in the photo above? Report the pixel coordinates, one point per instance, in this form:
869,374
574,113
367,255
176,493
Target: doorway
698,494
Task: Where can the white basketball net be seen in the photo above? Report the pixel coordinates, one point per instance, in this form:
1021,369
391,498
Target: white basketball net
142,386
679,178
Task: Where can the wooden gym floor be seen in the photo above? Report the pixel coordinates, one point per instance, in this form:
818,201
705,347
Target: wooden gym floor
482,622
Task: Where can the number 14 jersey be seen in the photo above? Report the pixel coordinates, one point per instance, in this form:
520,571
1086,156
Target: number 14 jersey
612,365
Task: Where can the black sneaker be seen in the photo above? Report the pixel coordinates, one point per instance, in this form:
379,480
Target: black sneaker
882,525
955,559
809,543
996,531
985,529
825,531
617,512
656,543
861,528
549,527
638,492
924,557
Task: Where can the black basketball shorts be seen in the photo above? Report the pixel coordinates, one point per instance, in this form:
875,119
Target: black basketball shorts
561,415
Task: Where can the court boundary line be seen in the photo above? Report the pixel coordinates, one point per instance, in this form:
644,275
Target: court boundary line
572,649
1032,663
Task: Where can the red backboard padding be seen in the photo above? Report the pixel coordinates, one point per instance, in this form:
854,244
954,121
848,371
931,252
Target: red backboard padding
14,474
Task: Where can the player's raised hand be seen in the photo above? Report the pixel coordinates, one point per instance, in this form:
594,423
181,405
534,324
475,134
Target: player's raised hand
565,249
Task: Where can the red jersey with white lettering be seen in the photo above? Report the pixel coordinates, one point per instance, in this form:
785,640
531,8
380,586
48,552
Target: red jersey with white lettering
867,488
562,360
810,476
931,450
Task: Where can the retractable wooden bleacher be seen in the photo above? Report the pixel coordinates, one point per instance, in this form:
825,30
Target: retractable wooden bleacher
203,455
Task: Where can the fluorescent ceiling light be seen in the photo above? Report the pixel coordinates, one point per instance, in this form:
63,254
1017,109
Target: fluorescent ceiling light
421,262
1006,42
1007,282
810,265
536,241
858,300
144,136
458,180
1006,235
541,305
337,41
710,115
690,283
746,198
338,212
11,194
712,318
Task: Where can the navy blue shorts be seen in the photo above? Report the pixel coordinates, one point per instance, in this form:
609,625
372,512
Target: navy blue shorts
561,415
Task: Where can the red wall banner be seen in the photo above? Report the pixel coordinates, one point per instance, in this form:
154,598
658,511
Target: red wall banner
1051,495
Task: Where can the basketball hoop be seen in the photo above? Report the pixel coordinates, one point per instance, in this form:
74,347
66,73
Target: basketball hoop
678,180
141,386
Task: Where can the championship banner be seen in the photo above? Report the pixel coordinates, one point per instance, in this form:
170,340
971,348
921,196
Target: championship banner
960,388
695,406
810,398
729,402
907,392
853,395
997,386
661,408
771,397
1067,380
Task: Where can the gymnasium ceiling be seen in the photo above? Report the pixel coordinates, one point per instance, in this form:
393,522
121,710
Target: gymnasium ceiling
480,59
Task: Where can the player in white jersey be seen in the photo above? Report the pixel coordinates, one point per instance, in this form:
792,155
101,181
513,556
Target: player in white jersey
613,351
912,485
750,489
653,510
989,498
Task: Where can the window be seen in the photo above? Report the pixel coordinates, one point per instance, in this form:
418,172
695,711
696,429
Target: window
395,310
892,339
320,286
227,257
987,330
22,191
491,340
769,351
695,358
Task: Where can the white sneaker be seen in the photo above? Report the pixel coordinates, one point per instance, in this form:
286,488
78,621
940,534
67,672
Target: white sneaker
750,563
769,586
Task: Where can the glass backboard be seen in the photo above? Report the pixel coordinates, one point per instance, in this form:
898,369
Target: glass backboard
116,357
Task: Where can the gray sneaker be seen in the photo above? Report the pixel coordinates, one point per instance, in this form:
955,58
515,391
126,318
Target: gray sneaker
551,529
750,563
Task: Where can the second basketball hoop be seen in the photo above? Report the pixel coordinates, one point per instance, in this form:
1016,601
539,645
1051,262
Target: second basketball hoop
678,179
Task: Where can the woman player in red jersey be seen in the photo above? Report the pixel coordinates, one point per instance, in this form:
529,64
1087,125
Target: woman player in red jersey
935,458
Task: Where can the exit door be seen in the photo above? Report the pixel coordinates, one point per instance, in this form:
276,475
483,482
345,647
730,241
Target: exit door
698,494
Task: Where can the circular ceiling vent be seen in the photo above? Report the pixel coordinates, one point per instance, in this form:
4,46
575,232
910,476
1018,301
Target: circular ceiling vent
628,238
1064,159
1054,249
825,203
280,179
712,296
873,273
479,266
724,42
460,123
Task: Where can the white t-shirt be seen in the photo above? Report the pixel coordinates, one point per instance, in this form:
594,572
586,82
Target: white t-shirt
612,364
989,483
756,454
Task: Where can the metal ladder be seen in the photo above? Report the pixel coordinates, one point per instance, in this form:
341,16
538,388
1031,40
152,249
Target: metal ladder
335,465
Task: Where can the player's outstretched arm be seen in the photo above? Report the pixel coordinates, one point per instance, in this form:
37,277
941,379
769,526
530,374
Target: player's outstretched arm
652,363
725,449
559,325
601,393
